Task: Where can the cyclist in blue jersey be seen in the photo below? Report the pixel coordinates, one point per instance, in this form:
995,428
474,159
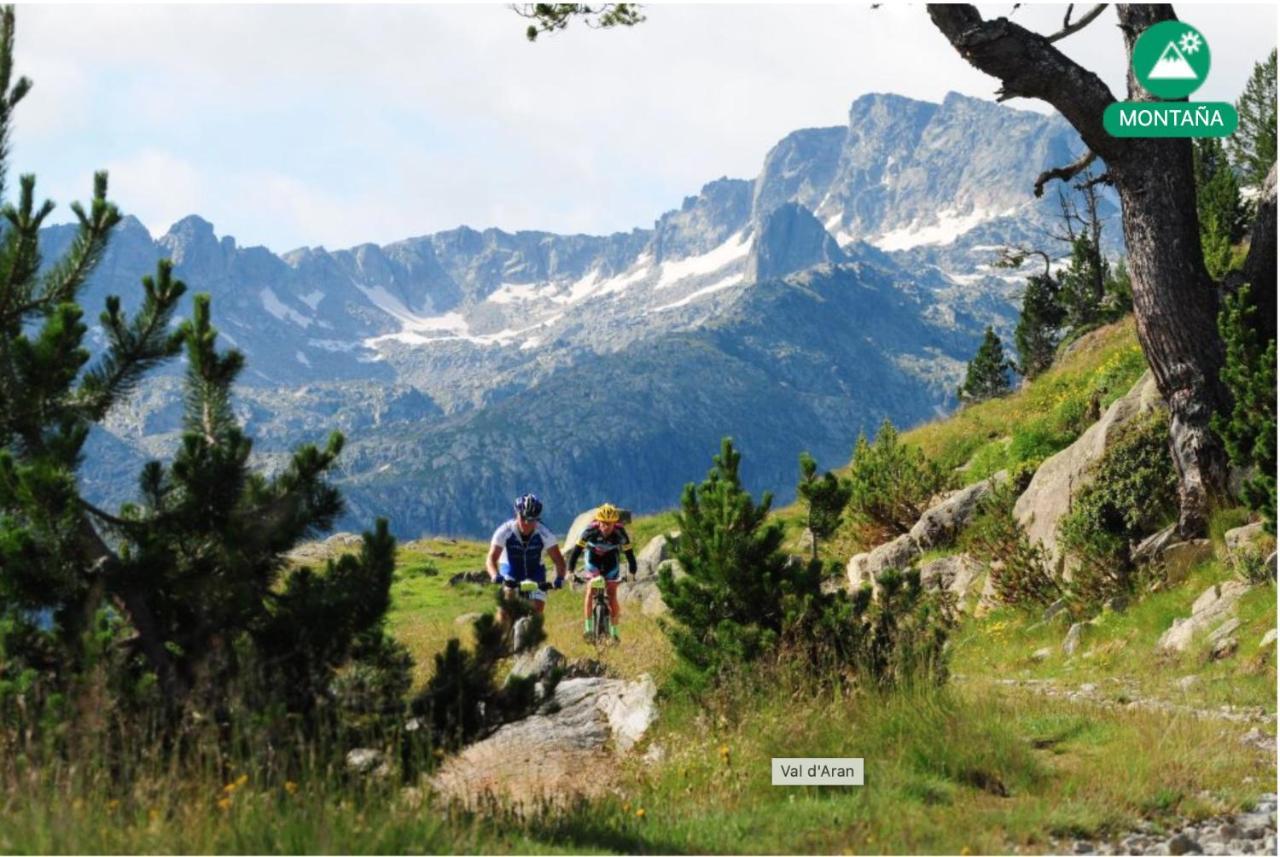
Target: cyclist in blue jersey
603,541
515,552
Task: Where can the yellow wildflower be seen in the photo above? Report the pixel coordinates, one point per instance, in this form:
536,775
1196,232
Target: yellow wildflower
640,812
290,786
224,804
113,805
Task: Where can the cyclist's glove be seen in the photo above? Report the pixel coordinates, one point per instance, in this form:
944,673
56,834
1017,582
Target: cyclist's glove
559,582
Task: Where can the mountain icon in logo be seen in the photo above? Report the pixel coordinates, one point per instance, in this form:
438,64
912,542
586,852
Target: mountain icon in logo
1172,65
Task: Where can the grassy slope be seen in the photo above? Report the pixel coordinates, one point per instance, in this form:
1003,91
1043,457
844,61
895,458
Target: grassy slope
978,767
933,759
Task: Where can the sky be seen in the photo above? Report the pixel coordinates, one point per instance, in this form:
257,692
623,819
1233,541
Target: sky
293,125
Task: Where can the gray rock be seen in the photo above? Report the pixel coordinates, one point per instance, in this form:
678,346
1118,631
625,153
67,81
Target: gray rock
1224,630
539,663
1049,495
657,550
1041,654
1150,548
1213,604
937,527
1074,637
522,634
1183,844
1187,682
364,761
940,524
1268,639
866,567
1054,609
955,574
1242,538
548,752
1224,648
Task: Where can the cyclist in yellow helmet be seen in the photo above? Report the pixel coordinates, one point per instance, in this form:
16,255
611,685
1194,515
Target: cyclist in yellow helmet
603,541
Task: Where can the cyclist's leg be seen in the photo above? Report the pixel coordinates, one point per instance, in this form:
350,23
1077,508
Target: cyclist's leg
540,594
615,610
509,584
588,622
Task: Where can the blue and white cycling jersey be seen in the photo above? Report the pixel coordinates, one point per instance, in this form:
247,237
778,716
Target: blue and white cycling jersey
522,557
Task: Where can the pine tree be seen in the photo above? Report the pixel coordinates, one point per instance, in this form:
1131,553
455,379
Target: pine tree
732,604
988,372
1082,284
1222,214
1253,145
1039,325
191,579
1249,430
890,482
825,498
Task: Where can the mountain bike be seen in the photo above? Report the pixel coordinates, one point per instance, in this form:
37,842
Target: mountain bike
600,615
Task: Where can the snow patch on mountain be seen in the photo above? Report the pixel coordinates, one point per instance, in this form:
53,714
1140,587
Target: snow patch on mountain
276,307
726,254
950,226
719,285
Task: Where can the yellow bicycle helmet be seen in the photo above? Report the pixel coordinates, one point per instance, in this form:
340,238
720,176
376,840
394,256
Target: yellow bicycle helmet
608,514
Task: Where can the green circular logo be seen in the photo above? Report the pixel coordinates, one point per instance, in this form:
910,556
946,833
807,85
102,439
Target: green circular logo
1171,59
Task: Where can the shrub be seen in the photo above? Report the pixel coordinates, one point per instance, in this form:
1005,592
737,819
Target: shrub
1020,570
1133,492
1249,431
892,482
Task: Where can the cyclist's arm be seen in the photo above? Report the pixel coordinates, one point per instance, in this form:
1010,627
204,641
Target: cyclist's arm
631,561
557,558
491,562
574,555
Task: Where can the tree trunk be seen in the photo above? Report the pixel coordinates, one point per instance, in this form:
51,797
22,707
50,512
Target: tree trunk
1176,309
1174,301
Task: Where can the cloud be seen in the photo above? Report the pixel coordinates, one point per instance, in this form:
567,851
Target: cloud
291,125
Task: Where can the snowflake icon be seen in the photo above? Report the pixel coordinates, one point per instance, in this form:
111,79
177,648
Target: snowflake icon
1190,42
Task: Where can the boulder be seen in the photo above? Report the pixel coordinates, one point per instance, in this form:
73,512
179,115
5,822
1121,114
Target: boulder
1054,609
539,663
956,574
653,554
1048,496
866,567
559,754
367,762
1268,639
1211,608
522,634
940,524
1150,548
1224,648
1075,636
1242,538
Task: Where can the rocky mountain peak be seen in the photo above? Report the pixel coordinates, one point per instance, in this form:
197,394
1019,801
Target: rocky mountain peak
790,239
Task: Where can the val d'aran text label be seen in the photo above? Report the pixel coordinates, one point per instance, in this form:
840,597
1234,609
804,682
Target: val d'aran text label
817,772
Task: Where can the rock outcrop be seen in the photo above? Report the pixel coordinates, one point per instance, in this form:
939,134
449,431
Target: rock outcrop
546,757
1048,497
937,527
1211,609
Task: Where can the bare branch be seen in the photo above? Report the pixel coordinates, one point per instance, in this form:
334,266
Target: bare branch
1068,28
1028,66
1064,173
